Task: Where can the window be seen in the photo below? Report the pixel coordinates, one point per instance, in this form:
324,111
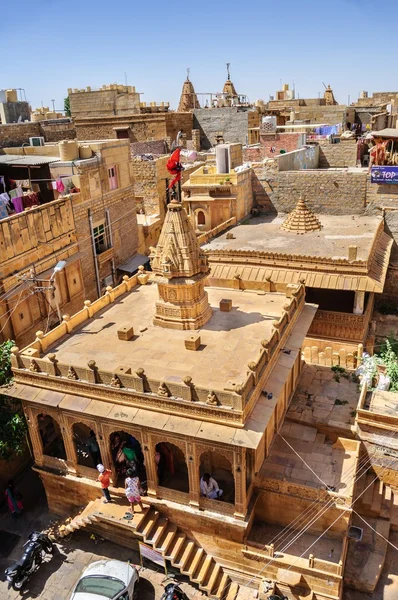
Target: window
100,238
201,217
112,176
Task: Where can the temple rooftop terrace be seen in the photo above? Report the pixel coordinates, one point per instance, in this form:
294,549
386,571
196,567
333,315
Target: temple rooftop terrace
220,379
264,234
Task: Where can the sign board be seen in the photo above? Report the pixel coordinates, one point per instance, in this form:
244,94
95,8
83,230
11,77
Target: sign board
384,175
148,553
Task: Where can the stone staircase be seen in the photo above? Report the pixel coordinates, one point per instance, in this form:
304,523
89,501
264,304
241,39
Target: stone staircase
165,537
378,500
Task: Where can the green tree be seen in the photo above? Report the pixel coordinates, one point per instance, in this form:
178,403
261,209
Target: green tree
67,107
13,427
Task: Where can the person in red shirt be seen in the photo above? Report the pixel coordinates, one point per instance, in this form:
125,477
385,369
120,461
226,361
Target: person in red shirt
104,478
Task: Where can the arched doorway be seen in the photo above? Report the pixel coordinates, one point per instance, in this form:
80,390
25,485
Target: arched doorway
51,436
200,218
86,446
126,454
171,467
220,469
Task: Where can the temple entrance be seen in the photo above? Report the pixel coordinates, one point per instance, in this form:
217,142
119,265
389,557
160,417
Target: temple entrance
127,454
51,437
219,468
171,467
86,446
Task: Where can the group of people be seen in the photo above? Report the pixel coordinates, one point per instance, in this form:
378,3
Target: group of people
132,486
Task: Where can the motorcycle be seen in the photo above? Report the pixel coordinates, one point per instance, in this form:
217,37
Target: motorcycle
172,591
36,547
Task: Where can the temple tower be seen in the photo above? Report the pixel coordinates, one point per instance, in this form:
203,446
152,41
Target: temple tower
229,87
188,98
180,270
301,219
329,96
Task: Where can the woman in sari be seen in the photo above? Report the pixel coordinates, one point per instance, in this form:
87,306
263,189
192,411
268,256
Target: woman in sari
13,499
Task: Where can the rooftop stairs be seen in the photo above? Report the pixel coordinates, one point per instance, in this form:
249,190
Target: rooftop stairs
164,536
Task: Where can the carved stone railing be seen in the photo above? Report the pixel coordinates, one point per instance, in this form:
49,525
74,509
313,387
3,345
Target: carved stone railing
340,325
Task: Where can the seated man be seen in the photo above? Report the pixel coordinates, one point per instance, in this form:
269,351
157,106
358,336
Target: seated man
209,487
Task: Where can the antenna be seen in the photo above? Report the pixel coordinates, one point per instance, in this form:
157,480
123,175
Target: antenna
188,71
229,76
324,86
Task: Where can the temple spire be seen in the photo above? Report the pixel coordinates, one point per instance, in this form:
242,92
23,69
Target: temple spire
301,219
188,98
180,269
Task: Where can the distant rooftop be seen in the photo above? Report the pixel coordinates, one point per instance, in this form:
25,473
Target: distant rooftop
264,234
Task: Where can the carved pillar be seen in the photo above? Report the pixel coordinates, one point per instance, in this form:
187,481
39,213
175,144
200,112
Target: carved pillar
359,303
71,456
34,433
193,475
148,449
104,442
239,468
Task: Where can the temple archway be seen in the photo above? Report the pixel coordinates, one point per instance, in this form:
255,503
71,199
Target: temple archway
86,446
126,454
219,467
171,467
51,437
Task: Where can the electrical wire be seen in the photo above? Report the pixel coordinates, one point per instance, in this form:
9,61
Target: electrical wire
11,312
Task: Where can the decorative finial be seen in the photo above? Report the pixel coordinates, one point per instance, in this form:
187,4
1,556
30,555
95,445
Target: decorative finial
188,71
229,76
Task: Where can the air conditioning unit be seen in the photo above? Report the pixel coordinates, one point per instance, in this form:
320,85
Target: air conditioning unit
36,141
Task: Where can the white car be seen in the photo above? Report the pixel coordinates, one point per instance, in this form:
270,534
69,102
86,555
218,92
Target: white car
111,579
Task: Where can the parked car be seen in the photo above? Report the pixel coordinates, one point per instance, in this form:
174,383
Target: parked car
112,579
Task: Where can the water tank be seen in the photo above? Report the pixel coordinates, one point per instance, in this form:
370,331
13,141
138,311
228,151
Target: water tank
11,96
222,159
85,151
68,150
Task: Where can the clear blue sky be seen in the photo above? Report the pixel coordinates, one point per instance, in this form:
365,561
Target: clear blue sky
49,45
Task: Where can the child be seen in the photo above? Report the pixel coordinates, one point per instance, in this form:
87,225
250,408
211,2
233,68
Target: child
133,490
104,479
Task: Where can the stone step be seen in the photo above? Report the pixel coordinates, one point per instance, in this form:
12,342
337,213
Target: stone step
203,570
167,539
378,495
195,558
221,590
367,497
320,438
140,519
232,591
185,554
195,571
386,504
175,547
149,524
211,578
156,534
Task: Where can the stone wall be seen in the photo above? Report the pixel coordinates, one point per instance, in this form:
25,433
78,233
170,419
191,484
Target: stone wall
176,121
280,141
231,123
16,134
10,112
298,160
13,135
343,154
155,147
105,103
325,192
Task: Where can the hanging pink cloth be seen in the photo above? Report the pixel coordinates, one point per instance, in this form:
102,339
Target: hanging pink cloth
60,186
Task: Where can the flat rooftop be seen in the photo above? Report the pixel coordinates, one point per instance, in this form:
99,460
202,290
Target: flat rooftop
228,341
264,234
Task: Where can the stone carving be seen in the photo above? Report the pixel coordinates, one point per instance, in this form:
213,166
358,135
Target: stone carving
115,381
34,367
72,374
212,399
163,391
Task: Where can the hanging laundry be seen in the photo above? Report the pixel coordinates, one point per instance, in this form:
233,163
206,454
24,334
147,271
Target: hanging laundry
16,193
18,204
4,200
60,186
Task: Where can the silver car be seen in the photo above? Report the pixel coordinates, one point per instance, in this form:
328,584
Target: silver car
111,579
